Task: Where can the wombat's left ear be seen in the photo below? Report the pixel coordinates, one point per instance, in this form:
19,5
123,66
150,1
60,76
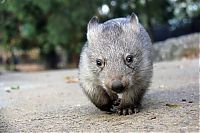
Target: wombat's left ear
134,18
93,22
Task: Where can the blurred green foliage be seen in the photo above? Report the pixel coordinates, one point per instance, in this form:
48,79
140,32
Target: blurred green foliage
153,12
46,24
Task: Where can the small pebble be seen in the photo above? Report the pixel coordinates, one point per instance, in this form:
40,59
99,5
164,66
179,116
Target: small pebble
183,100
153,117
8,91
190,102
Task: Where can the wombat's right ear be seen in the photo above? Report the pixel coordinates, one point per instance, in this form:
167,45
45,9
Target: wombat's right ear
93,22
134,22
134,18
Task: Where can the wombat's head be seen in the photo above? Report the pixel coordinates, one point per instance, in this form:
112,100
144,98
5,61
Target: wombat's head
116,54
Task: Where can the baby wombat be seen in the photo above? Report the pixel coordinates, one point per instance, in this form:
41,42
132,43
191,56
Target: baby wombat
117,59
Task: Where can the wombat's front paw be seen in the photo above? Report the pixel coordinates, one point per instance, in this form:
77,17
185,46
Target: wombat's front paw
128,111
117,102
115,105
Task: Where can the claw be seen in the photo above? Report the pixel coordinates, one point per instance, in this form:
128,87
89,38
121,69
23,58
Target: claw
130,111
119,112
117,102
136,110
127,111
124,111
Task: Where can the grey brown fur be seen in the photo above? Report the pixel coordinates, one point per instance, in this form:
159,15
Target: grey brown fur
117,59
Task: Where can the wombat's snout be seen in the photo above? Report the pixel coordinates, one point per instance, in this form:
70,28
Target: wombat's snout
117,86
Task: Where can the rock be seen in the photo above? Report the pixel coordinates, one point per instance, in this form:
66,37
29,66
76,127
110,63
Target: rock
186,46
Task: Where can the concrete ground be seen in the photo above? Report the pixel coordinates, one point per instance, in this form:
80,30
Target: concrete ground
52,101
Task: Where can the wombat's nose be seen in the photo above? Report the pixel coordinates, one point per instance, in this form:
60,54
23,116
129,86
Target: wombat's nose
117,86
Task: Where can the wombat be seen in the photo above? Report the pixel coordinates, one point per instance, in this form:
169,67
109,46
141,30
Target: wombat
116,59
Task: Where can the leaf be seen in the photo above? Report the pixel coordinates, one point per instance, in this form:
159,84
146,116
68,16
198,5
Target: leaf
69,79
173,105
27,30
15,87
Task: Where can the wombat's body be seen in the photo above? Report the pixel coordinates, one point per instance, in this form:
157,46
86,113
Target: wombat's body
117,59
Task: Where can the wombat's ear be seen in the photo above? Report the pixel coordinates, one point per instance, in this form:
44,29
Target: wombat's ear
134,18
93,22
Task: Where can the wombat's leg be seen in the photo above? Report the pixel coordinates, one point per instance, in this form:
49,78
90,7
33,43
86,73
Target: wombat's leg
131,102
100,98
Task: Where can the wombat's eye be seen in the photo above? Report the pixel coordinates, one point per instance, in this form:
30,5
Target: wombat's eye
99,63
129,58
